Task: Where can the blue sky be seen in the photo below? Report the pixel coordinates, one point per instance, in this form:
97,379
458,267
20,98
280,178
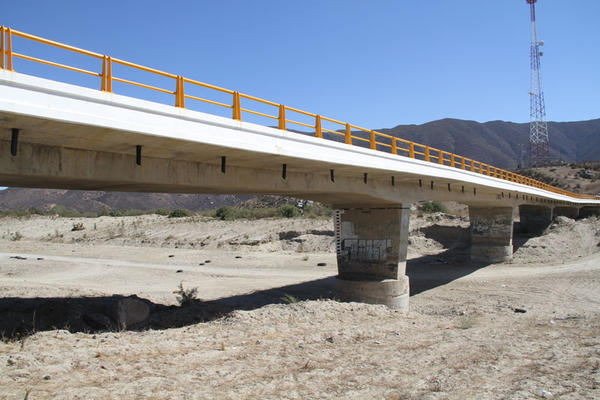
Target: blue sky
375,63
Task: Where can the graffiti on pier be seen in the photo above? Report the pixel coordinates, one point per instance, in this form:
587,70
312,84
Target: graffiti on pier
369,250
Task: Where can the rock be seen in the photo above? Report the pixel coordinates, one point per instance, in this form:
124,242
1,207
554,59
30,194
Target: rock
19,258
131,312
321,264
46,377
178,271
330,339
206,261
562,220
171,255
520,310
238,256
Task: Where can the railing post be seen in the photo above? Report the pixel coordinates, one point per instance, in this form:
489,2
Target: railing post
179,93
237,112
462,163
452,159
472,166
103,78
8,50
495,172
411,150
441,157
106,74
348,134
426,153
372,141
282,117
2,47
394,146
318,130
480,168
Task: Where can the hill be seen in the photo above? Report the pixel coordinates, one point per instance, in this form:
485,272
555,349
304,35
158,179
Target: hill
499,143
83,200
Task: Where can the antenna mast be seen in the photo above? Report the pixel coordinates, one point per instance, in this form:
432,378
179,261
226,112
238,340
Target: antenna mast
539,149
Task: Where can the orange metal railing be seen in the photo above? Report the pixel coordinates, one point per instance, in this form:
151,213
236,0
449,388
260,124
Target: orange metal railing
376,140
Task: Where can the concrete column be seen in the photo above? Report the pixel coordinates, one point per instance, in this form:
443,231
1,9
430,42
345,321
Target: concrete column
491,233
589,211
534,219
569,212
371,254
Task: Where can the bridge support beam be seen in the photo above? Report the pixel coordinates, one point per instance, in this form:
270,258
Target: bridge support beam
534,219
569,212
371,253
491,233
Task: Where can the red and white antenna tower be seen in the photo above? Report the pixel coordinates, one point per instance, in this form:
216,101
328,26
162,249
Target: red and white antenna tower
539,149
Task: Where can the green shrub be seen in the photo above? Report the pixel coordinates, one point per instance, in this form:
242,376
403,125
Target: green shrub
186,296
225,213
432,206
288,211
162,211
179,213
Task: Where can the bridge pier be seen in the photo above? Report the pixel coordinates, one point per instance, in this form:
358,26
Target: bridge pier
491,233
534,219
569,212
371,253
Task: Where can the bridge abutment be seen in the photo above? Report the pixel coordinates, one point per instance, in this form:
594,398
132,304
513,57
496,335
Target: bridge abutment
534,219
491,233
371,253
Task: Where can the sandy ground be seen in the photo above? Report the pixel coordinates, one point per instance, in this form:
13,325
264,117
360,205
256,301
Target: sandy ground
522,330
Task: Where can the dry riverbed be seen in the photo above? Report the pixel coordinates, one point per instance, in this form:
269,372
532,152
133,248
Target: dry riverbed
522,330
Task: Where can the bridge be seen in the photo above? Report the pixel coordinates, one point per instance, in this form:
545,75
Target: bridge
59,135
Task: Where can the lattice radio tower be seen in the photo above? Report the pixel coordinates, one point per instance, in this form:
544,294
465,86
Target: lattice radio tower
539,149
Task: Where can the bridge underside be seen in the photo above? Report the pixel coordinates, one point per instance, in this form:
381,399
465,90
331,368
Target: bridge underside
372,217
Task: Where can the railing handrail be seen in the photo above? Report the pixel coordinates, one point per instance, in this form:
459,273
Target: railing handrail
427,153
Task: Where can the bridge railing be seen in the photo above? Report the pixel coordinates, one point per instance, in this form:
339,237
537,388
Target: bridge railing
351,134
